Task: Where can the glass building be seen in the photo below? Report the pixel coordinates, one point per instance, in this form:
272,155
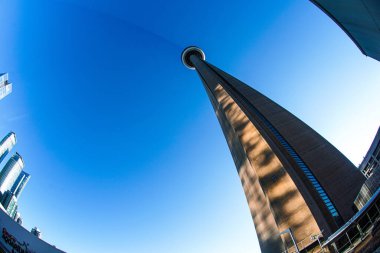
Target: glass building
9,202
6,144
5,86
10,173
20,183
12,179
371,161
370,167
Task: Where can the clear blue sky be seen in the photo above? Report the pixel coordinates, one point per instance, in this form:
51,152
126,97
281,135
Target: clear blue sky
124,149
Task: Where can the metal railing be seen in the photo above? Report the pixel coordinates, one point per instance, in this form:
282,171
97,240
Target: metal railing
349,239
353,231
312,238
353,237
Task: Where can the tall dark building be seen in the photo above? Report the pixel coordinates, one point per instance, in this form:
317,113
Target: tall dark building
292,177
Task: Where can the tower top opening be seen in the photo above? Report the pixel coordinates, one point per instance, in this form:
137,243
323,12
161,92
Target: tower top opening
189,51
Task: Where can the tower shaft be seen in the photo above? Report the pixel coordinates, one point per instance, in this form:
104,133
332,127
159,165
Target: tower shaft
292,177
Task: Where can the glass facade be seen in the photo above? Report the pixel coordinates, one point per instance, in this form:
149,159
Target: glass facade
5,86
9,202
12,177
371,161
10,172
20,183
6,144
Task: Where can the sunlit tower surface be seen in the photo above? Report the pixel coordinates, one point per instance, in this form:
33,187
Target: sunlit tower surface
292,177
5,86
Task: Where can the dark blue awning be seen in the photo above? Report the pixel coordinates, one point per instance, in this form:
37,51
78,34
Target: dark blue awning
360,19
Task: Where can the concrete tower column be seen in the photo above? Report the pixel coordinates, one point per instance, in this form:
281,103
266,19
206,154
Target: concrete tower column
292,177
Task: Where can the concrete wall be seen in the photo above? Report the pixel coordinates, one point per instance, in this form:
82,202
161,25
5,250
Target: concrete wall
17,238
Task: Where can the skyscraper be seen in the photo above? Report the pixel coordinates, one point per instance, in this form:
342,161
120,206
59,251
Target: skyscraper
9,202
6,144
20,183
5,86
13,184
10,173
12,179
293,178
